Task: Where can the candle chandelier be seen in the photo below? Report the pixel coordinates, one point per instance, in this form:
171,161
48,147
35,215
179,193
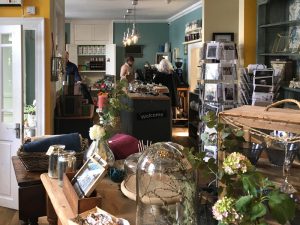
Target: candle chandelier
131,35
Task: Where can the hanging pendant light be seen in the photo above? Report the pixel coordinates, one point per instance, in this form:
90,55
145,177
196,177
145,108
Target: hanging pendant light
128,37
134,34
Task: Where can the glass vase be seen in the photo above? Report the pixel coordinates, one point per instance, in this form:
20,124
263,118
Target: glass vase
102,149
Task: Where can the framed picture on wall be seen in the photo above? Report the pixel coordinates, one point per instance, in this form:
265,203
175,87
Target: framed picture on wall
223,37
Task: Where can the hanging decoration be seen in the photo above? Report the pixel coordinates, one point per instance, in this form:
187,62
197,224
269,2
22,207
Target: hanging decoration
131,35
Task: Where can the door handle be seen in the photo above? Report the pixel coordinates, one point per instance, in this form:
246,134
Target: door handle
17,129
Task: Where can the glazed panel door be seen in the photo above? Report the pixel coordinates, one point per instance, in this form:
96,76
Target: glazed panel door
11,110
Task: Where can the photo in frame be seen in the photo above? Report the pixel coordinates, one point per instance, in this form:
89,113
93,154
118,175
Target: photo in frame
228,51
211,92
223,37
87,178
228,71
294,10
211,71
212,50
228,92
210,152
294,39
281,43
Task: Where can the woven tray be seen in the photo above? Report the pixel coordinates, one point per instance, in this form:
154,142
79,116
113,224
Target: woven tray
39,161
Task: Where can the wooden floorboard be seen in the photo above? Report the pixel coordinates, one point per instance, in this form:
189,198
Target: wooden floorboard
11,217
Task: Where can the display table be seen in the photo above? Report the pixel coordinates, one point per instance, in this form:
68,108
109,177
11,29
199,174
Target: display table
113,201
149,117
32,203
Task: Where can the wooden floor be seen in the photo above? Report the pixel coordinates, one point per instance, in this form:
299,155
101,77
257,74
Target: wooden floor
11,217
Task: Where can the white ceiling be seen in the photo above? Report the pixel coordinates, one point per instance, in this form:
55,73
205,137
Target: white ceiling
115,9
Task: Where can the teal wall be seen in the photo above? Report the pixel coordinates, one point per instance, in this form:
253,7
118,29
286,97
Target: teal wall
177,31
152,35
30,66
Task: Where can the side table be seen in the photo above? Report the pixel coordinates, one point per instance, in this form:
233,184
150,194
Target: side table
32,197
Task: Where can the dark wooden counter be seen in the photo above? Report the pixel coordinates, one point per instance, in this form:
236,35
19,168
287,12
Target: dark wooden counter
149,118
32,198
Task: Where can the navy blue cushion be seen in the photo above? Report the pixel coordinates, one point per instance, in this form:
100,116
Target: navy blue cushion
71,141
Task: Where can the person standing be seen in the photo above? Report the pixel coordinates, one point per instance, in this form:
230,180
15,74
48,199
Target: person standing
127,71
72,70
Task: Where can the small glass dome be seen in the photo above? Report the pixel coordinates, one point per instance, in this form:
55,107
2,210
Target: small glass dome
165,187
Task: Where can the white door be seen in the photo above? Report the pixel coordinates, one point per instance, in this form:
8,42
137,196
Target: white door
110,59
11,110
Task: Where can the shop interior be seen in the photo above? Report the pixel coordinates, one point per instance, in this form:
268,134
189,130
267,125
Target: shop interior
149,112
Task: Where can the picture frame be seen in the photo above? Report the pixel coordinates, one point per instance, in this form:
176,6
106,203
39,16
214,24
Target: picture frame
228,71
223,37
10,2
228,51
212,50
89,175
211,152
228,92
211,92
211,71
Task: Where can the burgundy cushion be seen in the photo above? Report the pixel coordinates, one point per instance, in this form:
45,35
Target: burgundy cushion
123,145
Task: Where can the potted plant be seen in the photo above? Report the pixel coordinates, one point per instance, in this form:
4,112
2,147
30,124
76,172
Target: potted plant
29,111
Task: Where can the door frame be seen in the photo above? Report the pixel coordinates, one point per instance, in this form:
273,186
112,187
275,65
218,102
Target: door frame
38,25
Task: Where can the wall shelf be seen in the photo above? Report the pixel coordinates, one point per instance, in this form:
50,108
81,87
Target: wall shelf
279,54
196,30
191,42
285,23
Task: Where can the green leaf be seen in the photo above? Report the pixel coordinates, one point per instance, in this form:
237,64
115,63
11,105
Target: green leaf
239,133
225,135
257,211
282,207
243,202
248,182
211,124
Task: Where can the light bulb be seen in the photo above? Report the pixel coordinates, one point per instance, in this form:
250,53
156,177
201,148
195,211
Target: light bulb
129,41
135,38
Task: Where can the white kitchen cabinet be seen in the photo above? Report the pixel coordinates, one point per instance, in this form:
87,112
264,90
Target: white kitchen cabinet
83,32
91,33
93,61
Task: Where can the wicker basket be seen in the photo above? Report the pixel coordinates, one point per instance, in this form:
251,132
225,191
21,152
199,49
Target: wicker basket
38,161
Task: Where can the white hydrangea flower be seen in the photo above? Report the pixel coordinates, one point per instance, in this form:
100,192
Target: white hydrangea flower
96,132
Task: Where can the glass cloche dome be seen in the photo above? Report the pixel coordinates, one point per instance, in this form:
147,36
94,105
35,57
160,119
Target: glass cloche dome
165,187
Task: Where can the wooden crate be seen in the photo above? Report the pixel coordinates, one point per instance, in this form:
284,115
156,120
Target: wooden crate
78,205
267,118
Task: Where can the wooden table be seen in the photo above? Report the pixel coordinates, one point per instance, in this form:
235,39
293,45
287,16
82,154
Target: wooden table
32,201
113,201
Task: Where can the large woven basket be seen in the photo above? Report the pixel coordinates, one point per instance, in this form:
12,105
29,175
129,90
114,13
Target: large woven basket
39,161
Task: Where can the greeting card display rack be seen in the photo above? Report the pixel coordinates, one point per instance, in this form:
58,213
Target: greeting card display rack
218,84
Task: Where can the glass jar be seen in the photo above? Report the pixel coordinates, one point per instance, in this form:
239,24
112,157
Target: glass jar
53,152
166,187
66,164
